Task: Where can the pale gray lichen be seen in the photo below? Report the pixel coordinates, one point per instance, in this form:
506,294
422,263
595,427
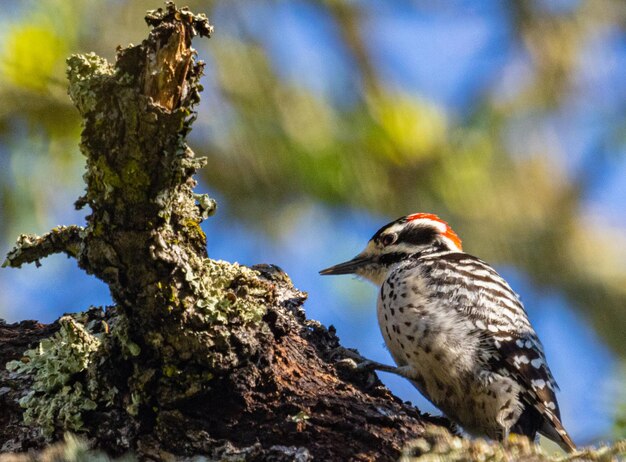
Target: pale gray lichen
31,248
82,70
57,397
206,204
438,444
220,303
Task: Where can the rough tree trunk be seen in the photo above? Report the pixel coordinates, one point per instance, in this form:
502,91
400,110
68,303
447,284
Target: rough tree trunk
197,356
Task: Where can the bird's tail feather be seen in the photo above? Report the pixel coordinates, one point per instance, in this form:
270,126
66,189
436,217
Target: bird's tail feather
553,428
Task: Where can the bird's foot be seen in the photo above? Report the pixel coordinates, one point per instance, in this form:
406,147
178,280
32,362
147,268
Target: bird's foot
342,354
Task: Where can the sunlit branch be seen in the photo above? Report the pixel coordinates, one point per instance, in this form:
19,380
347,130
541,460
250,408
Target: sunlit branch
32,248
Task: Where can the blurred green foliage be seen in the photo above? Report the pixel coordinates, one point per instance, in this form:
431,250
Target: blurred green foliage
274,142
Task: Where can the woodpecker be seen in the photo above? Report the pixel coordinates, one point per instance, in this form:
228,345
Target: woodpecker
458,332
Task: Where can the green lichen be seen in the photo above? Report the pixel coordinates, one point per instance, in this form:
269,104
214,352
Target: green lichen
301,416
221,310
132,178
135,403
229,290
57,396
207,205
82,71
194,230
438,444
119,331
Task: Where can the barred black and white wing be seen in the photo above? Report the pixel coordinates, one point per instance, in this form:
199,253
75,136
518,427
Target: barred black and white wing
523,357
509,344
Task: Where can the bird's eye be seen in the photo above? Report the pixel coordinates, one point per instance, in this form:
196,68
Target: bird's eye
389,239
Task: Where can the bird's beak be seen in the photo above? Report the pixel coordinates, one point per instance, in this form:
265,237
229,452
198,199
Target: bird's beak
347,267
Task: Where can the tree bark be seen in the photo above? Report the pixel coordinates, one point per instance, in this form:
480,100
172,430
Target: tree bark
197,357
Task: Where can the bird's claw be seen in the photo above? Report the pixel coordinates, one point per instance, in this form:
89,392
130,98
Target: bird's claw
347,356
342,353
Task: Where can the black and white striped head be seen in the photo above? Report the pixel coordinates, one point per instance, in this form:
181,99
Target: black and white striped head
414,234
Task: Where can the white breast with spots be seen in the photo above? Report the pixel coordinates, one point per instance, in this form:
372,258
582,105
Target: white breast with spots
437,342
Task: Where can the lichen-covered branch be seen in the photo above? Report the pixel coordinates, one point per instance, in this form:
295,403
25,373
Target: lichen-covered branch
55,394
437,444
31,248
